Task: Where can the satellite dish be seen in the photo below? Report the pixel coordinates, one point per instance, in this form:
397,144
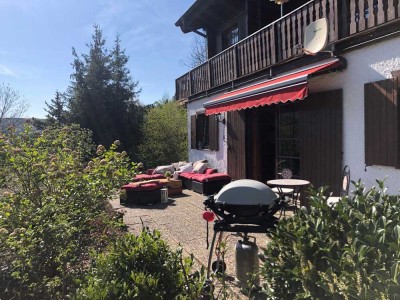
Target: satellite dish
316,36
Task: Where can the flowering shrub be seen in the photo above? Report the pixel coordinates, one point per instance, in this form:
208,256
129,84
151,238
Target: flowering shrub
53,208
351,251
140,267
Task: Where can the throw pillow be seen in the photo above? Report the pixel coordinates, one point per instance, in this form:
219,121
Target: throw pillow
186,168
182,163
163,169
210,171
199,162
200,168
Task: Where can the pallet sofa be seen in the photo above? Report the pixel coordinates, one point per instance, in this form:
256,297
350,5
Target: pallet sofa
200,178
208,183
146,193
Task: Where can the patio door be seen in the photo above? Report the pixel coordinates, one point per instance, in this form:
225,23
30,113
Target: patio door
320,137
236,144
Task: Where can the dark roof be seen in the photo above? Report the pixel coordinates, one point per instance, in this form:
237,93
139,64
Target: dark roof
207,13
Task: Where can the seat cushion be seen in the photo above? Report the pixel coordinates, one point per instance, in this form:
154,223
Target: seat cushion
188,175
141,177
136,186
211,177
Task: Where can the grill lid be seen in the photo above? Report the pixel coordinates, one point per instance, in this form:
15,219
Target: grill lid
246,192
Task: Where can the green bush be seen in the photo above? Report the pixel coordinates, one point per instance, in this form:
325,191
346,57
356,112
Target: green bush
164,135
351,251
140,267
53,208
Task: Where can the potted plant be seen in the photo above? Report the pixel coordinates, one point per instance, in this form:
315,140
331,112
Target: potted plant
168,175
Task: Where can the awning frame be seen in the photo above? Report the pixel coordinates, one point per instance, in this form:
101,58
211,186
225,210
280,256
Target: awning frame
287,80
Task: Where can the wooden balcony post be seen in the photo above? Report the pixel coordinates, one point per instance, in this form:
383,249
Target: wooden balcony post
190,83
344,9
209,74
335,18
235,63
279,47
177,90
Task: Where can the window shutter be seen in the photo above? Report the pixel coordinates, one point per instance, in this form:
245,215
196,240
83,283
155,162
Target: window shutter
213,133
193,132
381,123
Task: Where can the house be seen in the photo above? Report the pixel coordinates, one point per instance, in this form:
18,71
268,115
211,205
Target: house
261,103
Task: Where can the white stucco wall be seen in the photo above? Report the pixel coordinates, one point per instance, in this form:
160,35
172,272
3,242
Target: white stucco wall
217,159
368,64
365,65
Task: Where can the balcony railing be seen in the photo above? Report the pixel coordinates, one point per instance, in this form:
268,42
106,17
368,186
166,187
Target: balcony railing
284,39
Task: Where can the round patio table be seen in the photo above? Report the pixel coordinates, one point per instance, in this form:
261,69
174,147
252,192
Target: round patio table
295,184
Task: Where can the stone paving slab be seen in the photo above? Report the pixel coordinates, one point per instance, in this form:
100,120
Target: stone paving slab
181,224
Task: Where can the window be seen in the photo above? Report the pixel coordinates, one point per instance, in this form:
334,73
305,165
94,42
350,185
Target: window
287,141
202,135
382,122
204,132
230,36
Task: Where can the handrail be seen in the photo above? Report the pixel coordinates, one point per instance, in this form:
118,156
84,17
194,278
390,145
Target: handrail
259,30
278,41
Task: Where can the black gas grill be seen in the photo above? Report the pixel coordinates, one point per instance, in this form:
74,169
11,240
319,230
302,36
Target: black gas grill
244,202
243,206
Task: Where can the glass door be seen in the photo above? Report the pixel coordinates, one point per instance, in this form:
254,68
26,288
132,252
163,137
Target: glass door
287,139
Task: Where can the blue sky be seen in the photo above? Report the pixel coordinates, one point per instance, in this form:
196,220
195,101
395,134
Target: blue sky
37,36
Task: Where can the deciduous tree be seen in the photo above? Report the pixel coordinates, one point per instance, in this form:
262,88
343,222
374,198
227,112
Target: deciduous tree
12,105
165,134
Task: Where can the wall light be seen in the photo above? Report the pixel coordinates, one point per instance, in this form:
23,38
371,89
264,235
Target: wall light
280,2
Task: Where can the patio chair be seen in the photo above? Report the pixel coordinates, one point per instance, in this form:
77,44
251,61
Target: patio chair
344,192
286,193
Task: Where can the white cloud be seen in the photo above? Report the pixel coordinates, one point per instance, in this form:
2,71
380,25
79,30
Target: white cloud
6,71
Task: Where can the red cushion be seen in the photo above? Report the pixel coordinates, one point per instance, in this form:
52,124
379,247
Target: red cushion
141,177
212,177
143,187
210,171
188,175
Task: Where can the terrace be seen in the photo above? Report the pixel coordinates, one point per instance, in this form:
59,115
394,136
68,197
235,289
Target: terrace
351,23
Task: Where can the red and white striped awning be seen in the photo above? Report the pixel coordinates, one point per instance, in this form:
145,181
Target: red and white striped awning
289,86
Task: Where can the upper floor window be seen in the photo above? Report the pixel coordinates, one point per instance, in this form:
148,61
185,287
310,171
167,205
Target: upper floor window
230,36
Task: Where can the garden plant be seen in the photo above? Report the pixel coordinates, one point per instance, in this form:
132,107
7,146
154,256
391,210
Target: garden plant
348,251
56,221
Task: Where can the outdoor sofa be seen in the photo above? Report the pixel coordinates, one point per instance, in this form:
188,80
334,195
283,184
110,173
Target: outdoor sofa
141,193
208,183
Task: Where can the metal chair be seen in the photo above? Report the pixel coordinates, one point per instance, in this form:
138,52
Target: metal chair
286,193
344,192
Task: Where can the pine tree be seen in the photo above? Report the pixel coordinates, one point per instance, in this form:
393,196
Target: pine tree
56,109
126,106
102,95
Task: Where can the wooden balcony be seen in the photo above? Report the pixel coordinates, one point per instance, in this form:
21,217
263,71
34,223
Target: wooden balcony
283,40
